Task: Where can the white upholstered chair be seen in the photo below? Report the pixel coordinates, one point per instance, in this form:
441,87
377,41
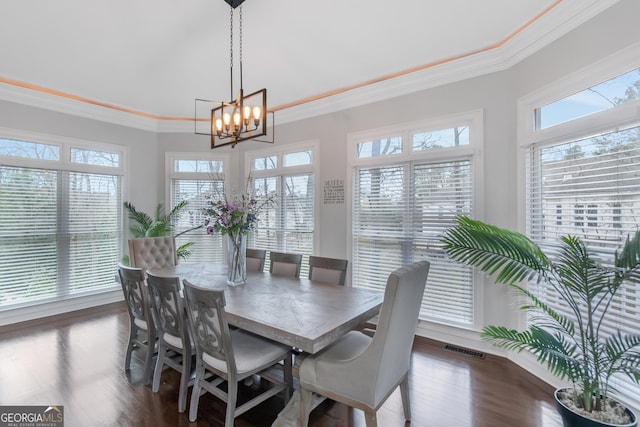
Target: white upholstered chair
283,264
175,348
362,371
329,270
142,332
153,252
231,356
256,259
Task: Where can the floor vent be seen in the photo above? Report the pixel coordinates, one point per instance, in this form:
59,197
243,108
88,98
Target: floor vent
472,353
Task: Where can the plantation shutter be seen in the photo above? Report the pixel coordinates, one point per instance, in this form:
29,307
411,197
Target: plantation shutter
399,215
195,191
588,188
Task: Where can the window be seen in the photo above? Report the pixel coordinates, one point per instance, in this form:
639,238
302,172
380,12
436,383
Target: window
583,179
407,189
600,97
288,224
194,177
61,220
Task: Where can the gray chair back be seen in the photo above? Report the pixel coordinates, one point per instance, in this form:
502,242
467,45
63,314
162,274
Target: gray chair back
217,350
329,270
209,326
153,252
174,343
142,331
362,371
168,308
256,259
133,282
390,351
284,264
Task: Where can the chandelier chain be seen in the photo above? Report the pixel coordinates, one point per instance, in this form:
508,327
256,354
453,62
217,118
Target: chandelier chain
231,36
240,34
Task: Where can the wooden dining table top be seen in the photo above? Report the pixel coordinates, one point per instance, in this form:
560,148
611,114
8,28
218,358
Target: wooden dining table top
301,313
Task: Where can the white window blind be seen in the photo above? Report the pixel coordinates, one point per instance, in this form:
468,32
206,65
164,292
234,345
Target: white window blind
399,215
589,188
61,233
29,222
286,225
196,178
195,191
94,230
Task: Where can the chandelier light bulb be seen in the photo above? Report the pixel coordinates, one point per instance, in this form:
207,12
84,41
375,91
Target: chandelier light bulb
246,115
257,114
226,119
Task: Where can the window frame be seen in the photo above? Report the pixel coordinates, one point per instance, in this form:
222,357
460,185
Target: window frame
474,119
616,119
64,165
171,175
280,170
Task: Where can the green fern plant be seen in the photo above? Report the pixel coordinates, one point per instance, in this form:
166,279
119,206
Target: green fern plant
144,225
572,347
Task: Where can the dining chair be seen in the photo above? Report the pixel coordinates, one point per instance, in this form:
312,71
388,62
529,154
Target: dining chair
284,264
153,252
142,332
362,371
175,348
329,270
231,356
256,259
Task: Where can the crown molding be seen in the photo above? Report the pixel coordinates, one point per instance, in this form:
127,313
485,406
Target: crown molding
59,104
557,22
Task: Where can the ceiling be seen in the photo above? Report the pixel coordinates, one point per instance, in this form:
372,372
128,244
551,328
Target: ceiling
150,59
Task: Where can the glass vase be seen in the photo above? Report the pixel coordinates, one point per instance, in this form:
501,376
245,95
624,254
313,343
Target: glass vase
236,259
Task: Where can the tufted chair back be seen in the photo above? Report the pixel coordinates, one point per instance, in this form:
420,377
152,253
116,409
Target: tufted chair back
153,252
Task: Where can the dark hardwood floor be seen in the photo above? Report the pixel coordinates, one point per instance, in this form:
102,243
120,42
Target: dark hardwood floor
76,360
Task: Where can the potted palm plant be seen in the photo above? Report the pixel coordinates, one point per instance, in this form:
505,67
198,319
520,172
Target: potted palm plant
144,225
574,346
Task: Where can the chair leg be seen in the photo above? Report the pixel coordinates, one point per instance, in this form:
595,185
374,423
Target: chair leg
404,393
148,360
157,372
306,402
370,419
184,381
130,344
195,392
232,398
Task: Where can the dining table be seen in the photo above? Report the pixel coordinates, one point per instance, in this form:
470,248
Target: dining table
305,314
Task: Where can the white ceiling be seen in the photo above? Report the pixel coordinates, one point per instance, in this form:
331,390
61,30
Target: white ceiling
154,57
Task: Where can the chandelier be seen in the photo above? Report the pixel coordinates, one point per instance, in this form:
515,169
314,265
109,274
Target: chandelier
240,119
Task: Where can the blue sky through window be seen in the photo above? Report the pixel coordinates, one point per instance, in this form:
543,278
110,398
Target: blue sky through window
603,96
